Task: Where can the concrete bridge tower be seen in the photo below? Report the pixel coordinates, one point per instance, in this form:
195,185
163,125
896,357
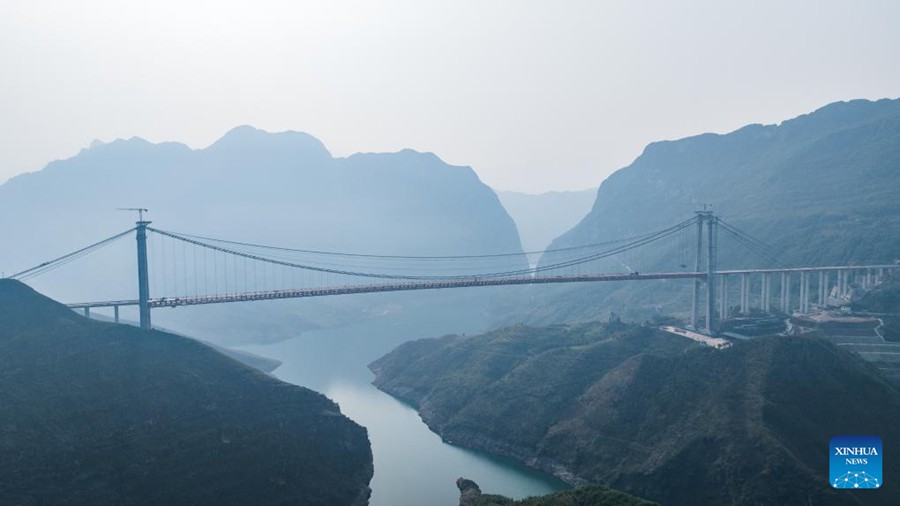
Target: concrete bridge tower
143,279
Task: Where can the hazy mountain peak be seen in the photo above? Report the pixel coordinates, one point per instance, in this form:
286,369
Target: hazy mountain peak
410,161
405,154
134,146
413,152
830,117
248,139
849,107
134,141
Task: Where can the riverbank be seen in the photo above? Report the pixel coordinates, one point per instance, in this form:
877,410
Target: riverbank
413,466
645,411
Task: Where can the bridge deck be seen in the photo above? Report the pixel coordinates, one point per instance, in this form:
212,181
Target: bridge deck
449,283
391,287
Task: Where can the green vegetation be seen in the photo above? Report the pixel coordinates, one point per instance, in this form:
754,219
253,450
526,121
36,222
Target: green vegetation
103,414
885,301
593,495
650,413
475,383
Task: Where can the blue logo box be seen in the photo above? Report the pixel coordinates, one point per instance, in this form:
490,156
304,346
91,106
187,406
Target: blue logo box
855,462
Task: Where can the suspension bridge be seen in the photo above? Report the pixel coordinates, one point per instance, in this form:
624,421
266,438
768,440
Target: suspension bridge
190,270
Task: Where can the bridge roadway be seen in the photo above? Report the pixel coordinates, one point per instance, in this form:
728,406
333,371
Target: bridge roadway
388,287
447,283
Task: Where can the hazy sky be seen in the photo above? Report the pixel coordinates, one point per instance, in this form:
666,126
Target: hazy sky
535,95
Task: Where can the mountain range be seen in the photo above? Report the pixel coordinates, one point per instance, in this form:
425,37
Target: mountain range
281,189
819,189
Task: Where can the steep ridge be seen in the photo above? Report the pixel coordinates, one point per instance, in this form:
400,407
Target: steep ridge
282,189
97,413
819,188
883,302
594,495
636,409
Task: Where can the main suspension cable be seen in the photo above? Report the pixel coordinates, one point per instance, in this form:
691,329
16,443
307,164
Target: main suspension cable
65,259
406,257
641,241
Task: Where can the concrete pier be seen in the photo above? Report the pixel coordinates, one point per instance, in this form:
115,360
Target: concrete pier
823,284
787,295
804,290
785,292
745,294
723,307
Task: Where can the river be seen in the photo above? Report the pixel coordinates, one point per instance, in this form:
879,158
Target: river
413,467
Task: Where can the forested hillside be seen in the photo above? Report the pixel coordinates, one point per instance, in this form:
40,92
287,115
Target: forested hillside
101,414
651,413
